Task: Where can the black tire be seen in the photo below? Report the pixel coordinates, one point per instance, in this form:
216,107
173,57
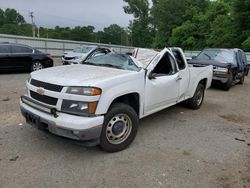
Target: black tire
196,101
229,83
242,79
36,65
111,128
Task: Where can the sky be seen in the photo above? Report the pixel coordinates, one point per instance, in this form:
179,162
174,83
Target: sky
71,13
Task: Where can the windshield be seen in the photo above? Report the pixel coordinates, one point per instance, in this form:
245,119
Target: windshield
113,60
83,49
221,55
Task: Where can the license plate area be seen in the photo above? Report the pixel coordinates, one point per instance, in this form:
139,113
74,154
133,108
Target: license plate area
32,118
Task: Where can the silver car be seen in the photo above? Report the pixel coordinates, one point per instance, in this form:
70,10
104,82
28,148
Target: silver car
80,54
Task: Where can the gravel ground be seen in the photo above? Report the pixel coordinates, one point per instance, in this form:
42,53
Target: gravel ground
176,147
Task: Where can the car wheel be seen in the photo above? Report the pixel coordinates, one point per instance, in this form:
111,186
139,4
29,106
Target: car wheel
196,101
242,79
119,128
36,65
229,83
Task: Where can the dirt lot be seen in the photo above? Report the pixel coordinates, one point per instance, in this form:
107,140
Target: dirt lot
177,147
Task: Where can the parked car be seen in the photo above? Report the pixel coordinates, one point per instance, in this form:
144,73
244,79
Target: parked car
102,100
229,65
15,56
80,54
247,68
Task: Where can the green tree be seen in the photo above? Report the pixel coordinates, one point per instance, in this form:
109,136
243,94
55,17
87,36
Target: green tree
140,27
113,34
11,16
241,14
222,33
185,36
246,44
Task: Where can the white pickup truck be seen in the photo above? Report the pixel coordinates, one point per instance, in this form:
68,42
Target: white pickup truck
103,99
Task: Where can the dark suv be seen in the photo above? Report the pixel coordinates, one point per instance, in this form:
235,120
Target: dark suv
229,65
15,56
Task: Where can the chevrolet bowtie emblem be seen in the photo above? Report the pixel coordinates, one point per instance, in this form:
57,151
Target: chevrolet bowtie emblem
40,90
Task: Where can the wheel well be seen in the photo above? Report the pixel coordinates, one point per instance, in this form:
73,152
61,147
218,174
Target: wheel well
34,60
132,99
203,82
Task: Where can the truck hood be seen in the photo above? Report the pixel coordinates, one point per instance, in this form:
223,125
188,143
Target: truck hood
78,75
209,62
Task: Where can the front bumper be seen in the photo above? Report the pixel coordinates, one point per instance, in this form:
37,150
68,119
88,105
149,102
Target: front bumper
66,125
70,62
222,77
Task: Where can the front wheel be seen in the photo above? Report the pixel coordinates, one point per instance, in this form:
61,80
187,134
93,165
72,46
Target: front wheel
196,101
119,128
226,86
36,65
242,79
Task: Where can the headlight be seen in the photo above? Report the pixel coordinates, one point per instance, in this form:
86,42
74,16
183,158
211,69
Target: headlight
89,91
78,107
220,69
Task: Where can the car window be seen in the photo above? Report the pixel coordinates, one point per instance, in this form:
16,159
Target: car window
244,57
166,66
21,49
4,49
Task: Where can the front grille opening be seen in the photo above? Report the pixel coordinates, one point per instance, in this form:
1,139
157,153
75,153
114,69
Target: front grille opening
43,98
47,86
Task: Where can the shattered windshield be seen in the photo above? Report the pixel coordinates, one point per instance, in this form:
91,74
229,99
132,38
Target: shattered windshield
83,49
221,55
119,61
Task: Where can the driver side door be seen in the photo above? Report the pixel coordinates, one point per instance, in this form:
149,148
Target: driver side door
162,83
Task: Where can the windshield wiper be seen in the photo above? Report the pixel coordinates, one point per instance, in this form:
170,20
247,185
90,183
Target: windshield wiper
88,63
101,64
110,65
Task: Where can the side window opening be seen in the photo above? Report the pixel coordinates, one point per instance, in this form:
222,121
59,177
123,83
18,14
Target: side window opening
21,49
4,49
179,59
166,66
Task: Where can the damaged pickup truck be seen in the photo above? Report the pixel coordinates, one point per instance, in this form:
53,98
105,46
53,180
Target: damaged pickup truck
102,99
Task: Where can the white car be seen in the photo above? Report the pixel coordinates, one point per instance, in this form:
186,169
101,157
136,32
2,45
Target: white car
80,54
103,99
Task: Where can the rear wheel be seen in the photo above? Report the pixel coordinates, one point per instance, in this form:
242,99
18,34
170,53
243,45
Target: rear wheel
36,65
196,101
119,128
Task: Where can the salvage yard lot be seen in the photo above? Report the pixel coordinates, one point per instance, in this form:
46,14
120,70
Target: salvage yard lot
176,147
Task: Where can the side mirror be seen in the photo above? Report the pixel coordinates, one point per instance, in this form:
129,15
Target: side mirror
152,76
194,56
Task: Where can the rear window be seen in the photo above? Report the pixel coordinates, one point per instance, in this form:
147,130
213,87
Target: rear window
21,49
4,49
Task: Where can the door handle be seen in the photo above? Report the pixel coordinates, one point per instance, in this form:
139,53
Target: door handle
178,78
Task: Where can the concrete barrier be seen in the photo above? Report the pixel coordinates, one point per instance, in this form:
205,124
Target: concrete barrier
56,47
